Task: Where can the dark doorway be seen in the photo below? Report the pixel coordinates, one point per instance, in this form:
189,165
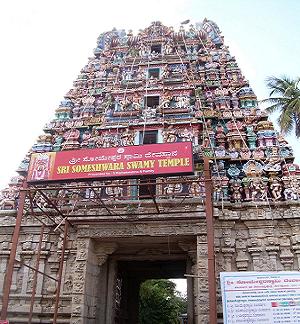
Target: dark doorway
156,49
151,101
132,274
153,73
148,137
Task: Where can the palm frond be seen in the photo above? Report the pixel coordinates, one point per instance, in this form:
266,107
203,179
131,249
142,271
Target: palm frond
297,125
295,104
285,98
273,108
286,123
280,85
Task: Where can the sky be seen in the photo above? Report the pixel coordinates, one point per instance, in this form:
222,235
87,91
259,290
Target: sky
44,45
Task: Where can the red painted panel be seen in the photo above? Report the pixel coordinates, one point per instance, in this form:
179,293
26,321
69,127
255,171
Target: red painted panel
116,162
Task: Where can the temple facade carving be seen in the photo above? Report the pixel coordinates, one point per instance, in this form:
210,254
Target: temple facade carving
159,86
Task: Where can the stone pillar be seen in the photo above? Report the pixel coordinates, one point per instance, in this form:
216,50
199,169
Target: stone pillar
296,249
80,302
110,306
190,288
4,255
103,292
53,265
228,254
106,283
201,280
27,280
64,273
191,281
295,240
286,256
29,258
273,252
242,261
256,257
85,281
227,238
14,283
40,277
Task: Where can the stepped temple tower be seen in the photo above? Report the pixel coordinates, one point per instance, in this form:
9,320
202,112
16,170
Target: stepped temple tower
78,238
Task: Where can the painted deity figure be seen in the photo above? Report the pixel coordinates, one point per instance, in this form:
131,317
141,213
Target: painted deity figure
217,189
119,106
186,135
220,135
182,101
236,189
136,105
276,188
220,151
72,135
71,139
127,138
273,162
169,135
222,100
166,101
166,72
295,187
291,188
168,48
96,139
258,153
127,75
58,140
41,167
259,189
206,142
76,110
86,136
126,103
171,189
245,153
149,112
8,198
196,189
114,191
144,51
109,140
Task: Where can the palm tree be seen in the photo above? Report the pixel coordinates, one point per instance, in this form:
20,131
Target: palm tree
285,98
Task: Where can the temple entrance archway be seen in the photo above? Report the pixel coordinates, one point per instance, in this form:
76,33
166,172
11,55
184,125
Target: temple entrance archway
135,261
132,273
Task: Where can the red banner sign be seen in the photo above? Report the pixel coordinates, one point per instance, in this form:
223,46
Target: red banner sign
4,321
117,162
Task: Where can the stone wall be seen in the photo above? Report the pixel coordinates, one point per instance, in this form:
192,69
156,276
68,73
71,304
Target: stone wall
248,237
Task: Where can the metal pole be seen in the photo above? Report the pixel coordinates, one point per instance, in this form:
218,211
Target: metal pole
37,265
210,244
13,251
34,269
60,270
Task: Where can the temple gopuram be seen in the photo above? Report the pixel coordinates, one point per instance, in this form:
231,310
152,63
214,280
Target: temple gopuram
75,247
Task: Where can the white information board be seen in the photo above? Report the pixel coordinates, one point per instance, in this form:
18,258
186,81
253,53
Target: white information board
261,297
